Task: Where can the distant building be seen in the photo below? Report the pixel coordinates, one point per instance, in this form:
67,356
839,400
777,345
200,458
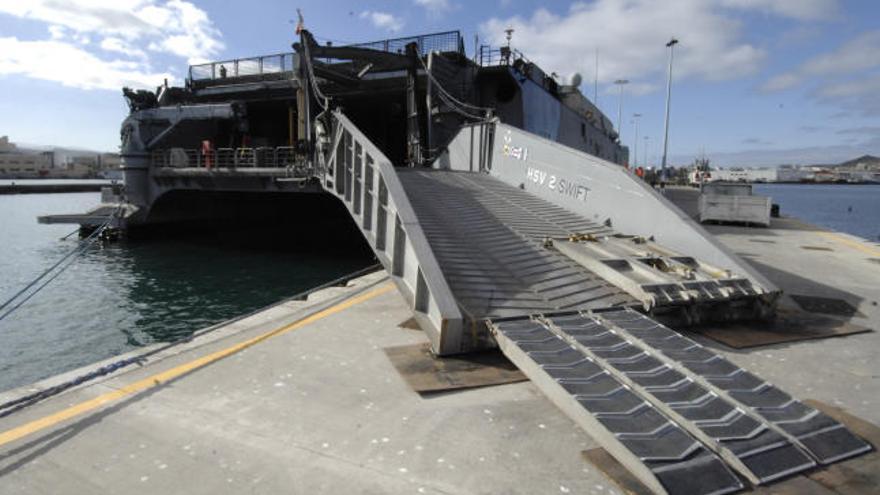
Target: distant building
743,175
793,173
15,164
18,163
5,145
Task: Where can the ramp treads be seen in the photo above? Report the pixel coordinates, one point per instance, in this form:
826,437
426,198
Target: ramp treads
662,404
486,236
658,451
825,439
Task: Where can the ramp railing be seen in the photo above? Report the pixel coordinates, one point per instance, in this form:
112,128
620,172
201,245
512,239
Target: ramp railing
360,175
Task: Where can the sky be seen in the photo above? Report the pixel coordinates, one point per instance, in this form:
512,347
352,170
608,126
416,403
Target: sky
755,82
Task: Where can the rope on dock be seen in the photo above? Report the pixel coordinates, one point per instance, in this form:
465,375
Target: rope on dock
15,405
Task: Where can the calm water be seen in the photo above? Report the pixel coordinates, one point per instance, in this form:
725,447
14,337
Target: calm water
121,296
124,295
829,206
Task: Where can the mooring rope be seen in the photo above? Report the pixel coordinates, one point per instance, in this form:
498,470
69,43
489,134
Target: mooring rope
70,257
14,405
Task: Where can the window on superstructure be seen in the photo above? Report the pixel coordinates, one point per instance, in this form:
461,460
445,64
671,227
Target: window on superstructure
584,131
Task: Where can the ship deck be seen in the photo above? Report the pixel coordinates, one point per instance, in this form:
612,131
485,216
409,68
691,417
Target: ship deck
302,398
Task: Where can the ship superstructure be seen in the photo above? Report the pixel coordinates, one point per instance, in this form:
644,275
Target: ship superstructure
247,125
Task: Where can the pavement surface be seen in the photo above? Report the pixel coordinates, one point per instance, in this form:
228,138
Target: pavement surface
301,398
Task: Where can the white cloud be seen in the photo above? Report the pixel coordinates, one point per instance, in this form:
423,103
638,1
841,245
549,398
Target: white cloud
118,45
859,96
56,32
383,20
73,66
781,82
845,77
859,54
805,10
173,26
631,41
434,7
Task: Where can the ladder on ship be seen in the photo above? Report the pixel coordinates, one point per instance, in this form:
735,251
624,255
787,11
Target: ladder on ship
482,262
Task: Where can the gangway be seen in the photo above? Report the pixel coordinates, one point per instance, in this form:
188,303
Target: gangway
548,253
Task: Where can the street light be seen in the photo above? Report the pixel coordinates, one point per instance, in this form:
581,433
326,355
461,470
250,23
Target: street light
645,161
636,140
620,82
671,46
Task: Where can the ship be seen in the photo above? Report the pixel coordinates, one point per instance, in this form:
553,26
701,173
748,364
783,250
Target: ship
236,141
498,202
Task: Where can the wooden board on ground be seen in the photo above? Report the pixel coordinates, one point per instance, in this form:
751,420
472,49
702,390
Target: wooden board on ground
857,476
788,326
425,372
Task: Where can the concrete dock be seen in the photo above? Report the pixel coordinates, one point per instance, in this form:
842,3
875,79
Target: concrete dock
301,398
32,188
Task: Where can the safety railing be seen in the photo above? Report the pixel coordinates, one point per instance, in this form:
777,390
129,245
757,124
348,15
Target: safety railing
277,66
232,158
489,56
448,41
360,175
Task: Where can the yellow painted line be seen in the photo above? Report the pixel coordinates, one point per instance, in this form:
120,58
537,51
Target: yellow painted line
159,378
861,246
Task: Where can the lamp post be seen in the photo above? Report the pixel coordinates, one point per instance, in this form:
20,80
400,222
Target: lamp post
636,140
671,46
620,82
645,160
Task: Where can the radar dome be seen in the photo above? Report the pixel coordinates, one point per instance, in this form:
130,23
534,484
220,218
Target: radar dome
576,79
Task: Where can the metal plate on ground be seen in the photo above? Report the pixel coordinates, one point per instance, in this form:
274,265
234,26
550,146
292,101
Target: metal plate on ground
825,305
426,373
788,326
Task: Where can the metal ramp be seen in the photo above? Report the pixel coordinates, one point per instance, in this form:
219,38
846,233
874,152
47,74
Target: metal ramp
478,260
464,246
461,246
681,418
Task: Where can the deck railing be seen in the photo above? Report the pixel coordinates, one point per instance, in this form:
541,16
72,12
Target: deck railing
277,66
448,41
489,56
231,158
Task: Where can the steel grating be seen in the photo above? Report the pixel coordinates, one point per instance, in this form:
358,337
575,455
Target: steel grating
487,237
823,438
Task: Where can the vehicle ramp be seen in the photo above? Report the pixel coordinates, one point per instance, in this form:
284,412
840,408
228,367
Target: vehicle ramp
483,262
464,245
